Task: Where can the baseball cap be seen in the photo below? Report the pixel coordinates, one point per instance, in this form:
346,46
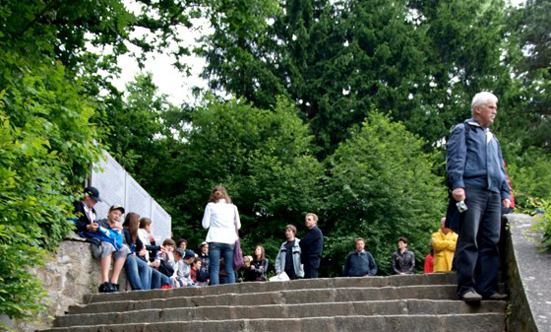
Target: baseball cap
180,251
189,254
93,193
204,243
116,207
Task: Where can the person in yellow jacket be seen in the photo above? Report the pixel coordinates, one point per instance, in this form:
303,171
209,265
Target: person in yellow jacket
443,242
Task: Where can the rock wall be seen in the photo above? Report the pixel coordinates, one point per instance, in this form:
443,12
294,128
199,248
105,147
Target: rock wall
71,273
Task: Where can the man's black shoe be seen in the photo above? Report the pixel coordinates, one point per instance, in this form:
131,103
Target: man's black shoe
115,286
106,287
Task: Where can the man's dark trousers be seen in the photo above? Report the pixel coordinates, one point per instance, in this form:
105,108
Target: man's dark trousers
477,254
311,268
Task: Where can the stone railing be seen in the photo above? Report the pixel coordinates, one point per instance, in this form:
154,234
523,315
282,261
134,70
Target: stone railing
67,276
528,278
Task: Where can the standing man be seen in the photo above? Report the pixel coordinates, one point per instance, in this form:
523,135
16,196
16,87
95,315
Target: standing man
360,263
476,175
288,257
311,247
443,243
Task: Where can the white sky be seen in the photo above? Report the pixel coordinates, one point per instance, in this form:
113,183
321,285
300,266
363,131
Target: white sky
168,79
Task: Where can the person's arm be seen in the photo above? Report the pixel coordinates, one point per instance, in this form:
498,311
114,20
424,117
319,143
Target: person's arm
263,267
411,263
456,154
372,265
237,220
127,238
317,245
452,243
438,244
346,270
394,267
278,266
206,217
505,189
81,221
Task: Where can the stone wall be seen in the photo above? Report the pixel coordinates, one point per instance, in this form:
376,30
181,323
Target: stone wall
70,274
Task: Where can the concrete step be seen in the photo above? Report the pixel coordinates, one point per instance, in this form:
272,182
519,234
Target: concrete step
297,296
479,322
279,311
250,287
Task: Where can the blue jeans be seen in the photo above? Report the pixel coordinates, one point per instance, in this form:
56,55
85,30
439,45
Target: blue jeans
477,253
138,273
158,279
224,250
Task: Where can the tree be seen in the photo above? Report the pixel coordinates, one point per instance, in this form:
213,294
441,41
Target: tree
382,186
47,149
263,157
419,61
50,83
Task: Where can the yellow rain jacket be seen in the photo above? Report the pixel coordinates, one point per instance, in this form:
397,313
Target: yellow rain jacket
444,248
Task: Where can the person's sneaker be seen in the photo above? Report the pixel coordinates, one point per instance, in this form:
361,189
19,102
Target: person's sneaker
497,296
115,287
106,287
471,296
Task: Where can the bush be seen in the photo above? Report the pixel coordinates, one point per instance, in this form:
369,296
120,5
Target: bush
382,186
46,144
542,223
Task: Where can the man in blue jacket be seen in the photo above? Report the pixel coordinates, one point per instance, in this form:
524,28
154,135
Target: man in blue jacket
359,263
474,164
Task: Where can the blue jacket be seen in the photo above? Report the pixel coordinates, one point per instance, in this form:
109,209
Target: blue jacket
282,255
473,163
360,264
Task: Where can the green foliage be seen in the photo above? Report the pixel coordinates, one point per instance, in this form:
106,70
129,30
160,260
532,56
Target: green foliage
46,143
530,175
50,83
542,221
382,186
419,61
531,63
264,159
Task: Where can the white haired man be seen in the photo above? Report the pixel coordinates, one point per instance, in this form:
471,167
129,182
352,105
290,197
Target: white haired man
474,164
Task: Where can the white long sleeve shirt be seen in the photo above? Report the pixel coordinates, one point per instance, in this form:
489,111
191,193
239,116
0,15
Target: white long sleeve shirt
220,219
144,237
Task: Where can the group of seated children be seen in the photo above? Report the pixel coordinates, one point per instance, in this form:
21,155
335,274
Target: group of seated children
132,246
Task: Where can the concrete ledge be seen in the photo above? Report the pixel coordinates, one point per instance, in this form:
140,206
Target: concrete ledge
528,273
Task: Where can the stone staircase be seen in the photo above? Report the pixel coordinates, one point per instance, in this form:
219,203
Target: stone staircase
397,303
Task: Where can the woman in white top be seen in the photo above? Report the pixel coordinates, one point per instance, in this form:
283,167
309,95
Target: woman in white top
221,219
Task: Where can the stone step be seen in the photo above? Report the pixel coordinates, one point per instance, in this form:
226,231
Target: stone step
298,296
365,308
478,322
250,287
